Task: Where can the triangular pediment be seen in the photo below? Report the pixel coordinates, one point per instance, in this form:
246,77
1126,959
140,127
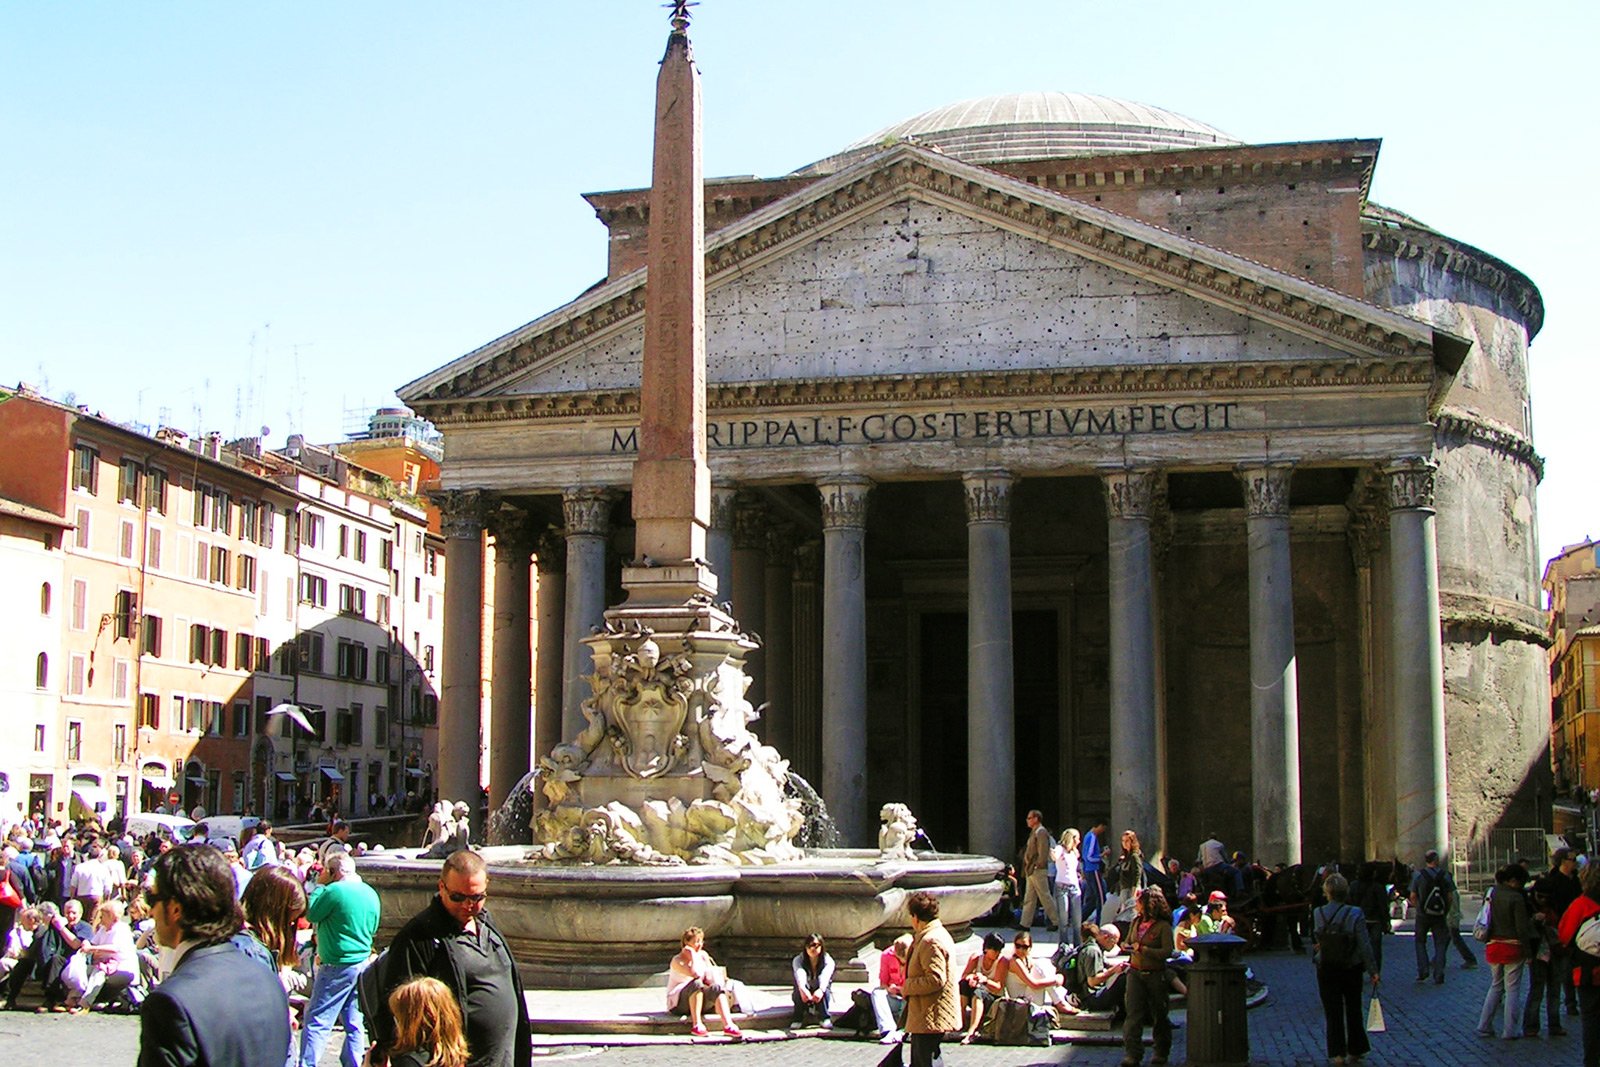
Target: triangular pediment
913,264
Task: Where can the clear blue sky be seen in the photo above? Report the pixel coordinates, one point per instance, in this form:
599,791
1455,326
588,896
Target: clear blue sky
228,216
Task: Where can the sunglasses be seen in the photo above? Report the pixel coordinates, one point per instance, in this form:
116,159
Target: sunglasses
466,898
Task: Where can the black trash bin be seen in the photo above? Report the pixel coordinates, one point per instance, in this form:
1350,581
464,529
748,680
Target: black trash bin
1219,1031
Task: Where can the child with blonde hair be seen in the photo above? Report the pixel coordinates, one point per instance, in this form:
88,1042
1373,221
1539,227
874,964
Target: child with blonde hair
428,1026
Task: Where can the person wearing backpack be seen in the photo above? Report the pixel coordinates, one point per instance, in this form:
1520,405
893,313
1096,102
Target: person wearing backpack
1430,892
1511,941
1342,952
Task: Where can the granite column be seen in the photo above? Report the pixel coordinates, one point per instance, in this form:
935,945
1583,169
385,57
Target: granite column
991,714
1133,643
778,648
462,515
1417,662
719,539
550,600
844,656
1274,697
806,756
511,682
750,586
588,520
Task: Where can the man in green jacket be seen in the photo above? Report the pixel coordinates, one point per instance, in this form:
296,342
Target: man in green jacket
344,910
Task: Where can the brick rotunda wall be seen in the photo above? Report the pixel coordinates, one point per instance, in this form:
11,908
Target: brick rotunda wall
1497,704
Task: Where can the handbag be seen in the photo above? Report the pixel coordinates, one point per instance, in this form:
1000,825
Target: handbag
1480,926
1016,1023
1375,1016
9,897
76,974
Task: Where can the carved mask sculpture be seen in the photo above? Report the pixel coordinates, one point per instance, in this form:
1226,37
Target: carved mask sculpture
649,717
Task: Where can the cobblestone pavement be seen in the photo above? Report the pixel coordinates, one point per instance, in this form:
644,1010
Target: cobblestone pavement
1428,1025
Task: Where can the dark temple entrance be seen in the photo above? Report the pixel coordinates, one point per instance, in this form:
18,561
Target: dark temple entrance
942,704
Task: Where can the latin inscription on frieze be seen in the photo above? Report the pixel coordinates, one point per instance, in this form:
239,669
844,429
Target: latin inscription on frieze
904,427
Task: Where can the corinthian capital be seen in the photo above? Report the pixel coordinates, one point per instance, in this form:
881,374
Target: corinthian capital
781,541
587,510
1130,494
749,523
1266,490
1411,484
463,512
808,562
550,552
513,535
722,499
988,496
844,503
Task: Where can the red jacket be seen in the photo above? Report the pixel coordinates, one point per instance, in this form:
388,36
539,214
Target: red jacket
1586,972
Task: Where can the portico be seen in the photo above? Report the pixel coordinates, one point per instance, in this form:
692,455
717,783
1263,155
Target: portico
1094,559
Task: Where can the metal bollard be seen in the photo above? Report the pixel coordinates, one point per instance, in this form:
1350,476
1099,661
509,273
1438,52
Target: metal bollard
1219,1029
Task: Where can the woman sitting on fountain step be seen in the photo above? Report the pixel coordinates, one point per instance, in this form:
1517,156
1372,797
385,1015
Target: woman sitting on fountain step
813,984
1034,980
889,998
982,983
692,978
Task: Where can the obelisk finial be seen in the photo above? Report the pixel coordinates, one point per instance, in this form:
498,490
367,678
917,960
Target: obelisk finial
680,14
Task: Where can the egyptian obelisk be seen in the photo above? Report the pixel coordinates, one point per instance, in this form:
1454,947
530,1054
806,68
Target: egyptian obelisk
671,479
667,767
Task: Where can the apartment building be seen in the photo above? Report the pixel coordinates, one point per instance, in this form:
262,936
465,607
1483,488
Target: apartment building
166,561
359,656
1572,583
31,573
180,595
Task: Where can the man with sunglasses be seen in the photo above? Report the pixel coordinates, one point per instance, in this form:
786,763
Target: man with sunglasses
215,1006
453,940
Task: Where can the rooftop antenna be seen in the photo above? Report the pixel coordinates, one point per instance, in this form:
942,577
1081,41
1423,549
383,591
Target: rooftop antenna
297,402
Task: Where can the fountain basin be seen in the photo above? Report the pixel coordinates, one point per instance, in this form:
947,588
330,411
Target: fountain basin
586,927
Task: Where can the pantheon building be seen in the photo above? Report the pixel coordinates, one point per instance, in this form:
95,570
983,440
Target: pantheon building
1067,453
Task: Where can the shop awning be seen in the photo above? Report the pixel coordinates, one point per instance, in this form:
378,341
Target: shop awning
284,776
333,774
415,772
157,780
196,780
92,797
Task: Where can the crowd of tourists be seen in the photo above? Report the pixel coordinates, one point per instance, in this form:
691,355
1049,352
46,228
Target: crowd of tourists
252,953
185,933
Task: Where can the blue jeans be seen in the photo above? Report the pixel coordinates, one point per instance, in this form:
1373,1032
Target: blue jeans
1505,992
1094,894
333,997
1069,905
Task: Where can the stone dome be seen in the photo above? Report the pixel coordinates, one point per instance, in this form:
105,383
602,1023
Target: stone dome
1037,125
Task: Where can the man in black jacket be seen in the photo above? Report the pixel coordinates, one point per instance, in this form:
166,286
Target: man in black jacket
216,1007
453,940
1560,884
